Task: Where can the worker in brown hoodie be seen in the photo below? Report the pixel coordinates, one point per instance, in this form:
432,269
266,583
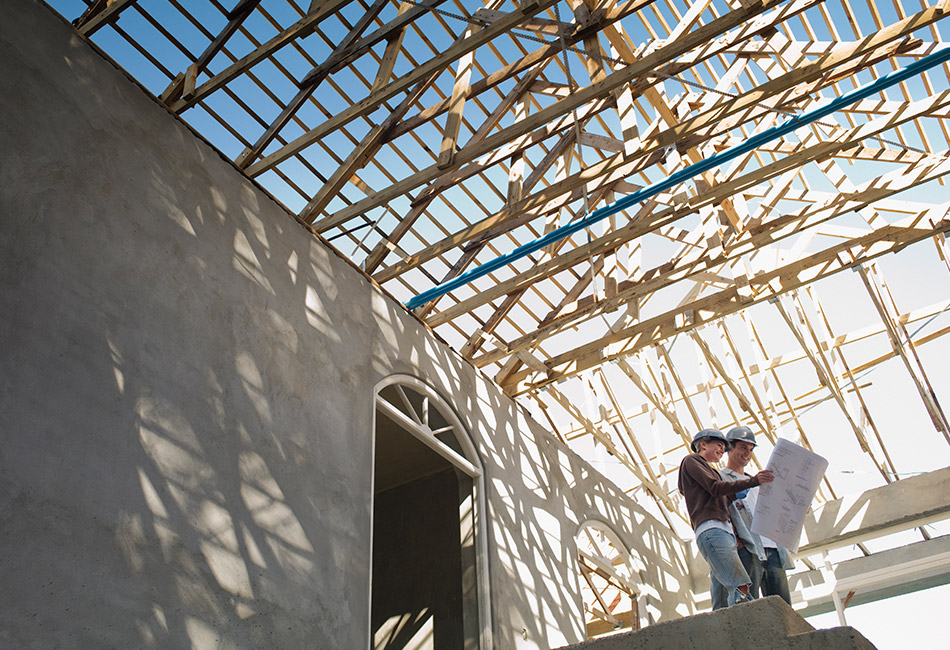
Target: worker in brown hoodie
707,501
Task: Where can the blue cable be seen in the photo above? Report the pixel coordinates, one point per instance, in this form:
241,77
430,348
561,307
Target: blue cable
684,174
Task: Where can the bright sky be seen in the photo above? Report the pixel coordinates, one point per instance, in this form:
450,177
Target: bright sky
917,620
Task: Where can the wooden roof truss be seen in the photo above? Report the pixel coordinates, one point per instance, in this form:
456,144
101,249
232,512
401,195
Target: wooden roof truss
425,137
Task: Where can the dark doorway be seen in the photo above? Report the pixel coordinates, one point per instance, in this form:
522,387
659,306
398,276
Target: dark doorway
423,589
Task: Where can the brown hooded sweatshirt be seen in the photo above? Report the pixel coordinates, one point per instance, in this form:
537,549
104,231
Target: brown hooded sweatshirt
705,491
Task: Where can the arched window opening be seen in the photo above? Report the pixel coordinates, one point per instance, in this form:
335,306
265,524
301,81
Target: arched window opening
609,585
429,588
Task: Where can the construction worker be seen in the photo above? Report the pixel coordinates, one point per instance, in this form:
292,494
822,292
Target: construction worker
764,560
707,496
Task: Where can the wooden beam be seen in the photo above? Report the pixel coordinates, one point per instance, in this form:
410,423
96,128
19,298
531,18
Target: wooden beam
767,285
869,48
236,17
658,403
762,410
453,122
772,364
300,28
904,346
388,61
605,440
309,85
728,115
839,362
716,364
349,49
100,14
396,87
644,459
364,151
778,228
586,101
422,200
825,377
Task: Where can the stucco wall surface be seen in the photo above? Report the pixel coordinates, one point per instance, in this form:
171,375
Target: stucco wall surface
186,397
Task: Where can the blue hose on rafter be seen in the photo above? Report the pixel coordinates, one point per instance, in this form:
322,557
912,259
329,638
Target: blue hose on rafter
686,173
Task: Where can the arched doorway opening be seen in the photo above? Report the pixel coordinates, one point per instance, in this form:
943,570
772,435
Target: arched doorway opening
610,586
428,586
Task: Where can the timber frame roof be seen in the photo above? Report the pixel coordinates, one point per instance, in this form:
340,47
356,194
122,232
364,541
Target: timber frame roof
423,138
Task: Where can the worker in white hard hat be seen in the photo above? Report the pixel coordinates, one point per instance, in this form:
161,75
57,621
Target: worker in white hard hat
764,560
707,496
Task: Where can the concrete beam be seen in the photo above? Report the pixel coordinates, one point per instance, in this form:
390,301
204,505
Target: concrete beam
894,572
898,506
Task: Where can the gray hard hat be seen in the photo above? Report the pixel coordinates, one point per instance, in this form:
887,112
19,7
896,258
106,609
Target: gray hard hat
741,433
708,434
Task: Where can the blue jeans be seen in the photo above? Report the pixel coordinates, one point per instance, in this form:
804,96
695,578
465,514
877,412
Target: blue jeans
774,581
718,548
753,567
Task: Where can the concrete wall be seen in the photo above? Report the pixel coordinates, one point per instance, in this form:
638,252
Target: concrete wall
186,397
764,622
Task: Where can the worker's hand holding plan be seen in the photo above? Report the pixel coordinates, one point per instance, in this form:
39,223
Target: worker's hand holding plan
781,505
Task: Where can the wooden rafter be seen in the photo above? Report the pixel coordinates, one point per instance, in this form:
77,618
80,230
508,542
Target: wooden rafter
794,275
724,117
99,14
423,138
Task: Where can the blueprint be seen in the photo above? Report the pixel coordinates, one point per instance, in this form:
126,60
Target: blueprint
781,505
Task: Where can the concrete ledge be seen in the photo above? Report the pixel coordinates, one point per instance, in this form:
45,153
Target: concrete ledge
767,622
888,509
889,573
